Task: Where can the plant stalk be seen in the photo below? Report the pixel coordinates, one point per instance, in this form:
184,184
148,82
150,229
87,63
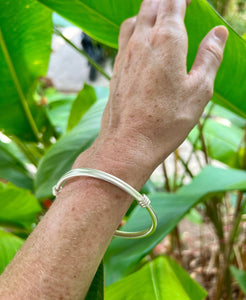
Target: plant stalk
187,170
91,61
224,280
204,148
23,148
198,137
213,213
167,185
225,8
176,158
175,233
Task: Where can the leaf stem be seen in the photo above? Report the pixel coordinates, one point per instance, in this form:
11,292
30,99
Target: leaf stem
175,236
213,212
198,137
204,148
224,280
185,165
24,149
91,61
176,157
167,184
19,88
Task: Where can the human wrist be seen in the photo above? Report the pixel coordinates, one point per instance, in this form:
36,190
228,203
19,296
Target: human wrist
116,155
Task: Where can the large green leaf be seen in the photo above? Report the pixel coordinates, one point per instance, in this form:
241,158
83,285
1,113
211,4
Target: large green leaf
159,279
222,142
12,168
60,157
229,91
25,36
9,245
240,276
18,207
122,255
102,19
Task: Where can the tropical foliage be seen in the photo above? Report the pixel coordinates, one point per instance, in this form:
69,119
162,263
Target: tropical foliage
42,132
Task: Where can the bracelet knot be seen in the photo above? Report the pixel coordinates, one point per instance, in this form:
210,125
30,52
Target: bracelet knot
144,202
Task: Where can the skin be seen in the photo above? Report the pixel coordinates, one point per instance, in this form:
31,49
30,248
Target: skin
153,105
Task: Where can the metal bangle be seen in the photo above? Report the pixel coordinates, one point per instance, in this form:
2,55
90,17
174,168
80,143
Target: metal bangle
142,200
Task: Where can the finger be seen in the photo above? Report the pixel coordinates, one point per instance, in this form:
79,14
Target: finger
170,31
147,14
210,55
171,10
126,31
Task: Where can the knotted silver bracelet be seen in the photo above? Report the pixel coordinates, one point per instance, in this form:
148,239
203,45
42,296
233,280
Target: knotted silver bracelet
142,200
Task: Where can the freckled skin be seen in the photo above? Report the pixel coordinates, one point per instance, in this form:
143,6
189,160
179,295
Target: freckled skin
153,104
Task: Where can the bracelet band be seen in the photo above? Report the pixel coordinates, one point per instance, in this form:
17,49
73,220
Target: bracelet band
142,200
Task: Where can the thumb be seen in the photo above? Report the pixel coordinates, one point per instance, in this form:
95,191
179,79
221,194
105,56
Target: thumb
210,54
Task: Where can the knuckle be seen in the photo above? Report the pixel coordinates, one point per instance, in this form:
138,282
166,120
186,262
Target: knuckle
171,34
148,7
144,8
172,26
214,51
163,33
126,29
207,88
135,42
146,4
173,21
127,23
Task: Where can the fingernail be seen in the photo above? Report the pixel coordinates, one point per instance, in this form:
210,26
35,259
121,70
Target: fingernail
221,33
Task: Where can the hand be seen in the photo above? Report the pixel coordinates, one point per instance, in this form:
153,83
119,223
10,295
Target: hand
153,102
153,105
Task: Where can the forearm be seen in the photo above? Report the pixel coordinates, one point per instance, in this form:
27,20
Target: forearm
60,258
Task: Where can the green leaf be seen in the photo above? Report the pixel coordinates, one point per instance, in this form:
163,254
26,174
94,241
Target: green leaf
122,255
18,207
12,168
9,245
159,279
229,91
58,109
84,100
60,157
225,114
96,291
59,106
102,19
222,141
240,276
25,36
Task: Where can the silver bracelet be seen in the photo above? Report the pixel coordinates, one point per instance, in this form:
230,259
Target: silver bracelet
142,200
